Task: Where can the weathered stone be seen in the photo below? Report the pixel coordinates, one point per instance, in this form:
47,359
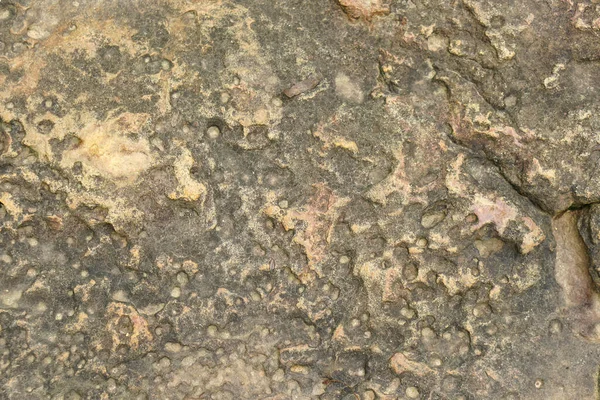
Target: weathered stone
247,200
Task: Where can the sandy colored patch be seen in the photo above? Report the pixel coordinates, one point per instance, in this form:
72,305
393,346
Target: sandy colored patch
108,149
500,213
488,247
188,189
115,148
364,9
140,334
10,205
348,89
401,364
319,215
396,182
327,133
492,209
257,83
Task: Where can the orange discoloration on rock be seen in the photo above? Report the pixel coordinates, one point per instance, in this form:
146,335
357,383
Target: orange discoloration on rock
327,133
54,222
319,215
135,257
81,324
397,182
140,334
392,287
188,189
228,296
533,238
364,9
190,267
34,60
83,290
401,364
339,334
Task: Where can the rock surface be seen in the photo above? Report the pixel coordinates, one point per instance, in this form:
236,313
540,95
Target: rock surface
341,199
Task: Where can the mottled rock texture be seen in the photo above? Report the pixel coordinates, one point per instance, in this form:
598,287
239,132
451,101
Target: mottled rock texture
299,199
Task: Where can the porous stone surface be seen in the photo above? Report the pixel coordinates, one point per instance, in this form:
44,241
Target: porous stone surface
299,199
